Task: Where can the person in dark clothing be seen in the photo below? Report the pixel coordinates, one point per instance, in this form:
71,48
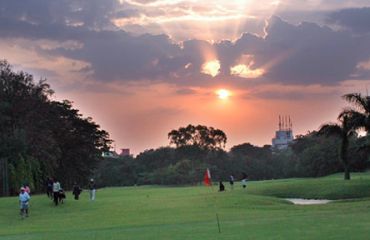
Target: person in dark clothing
222,187
49,188
61,195
76,191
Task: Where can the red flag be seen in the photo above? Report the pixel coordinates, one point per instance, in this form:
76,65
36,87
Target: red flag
207,178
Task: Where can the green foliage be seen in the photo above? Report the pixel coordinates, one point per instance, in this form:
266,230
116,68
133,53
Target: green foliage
40,137
116,172
180,173
202,136
344,131
310,155
316,155
256,162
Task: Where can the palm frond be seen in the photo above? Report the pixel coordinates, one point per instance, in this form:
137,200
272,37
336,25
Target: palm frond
353,119
361,102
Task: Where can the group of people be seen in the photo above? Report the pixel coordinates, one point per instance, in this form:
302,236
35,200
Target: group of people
231,181
54,191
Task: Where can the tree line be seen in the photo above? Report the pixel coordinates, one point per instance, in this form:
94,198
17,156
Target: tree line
310,155
41,138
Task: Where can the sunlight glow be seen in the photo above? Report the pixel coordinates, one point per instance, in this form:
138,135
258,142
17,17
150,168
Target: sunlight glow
223,94
207,20
211,68
245,71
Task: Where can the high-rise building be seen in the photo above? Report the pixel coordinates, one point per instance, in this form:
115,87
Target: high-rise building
284,135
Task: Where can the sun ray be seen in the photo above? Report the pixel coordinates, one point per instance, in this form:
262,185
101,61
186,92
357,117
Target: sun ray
206,20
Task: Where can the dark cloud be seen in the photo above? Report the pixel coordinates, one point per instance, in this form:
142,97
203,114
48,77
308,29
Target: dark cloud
120,56
311,54
127,13
186,91
93,14
354,19
299,54
302,54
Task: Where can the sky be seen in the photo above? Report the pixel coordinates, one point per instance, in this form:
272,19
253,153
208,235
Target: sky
141,68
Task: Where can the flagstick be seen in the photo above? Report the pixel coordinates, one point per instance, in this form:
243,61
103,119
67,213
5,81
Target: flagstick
208,181
218,224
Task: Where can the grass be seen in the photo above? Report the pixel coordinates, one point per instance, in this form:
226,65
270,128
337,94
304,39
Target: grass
330,187
190,212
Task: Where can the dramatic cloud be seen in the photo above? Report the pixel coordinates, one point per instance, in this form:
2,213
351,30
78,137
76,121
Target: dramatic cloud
294,54
354,19
291,54
143,67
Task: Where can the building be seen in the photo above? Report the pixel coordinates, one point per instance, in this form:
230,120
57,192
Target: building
284,135
124,152
114,154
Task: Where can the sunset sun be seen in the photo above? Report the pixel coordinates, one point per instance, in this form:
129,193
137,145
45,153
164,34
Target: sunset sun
223,94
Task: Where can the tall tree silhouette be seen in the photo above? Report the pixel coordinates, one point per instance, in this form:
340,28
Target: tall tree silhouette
202,136
40,137
344,130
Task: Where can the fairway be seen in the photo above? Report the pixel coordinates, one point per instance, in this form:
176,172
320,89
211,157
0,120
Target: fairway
149,212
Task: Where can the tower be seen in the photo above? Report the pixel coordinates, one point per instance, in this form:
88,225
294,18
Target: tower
284,135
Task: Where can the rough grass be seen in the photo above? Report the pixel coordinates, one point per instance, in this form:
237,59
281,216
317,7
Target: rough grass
190,213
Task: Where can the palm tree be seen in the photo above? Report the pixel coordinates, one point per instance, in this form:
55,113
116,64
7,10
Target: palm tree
360,116
344,131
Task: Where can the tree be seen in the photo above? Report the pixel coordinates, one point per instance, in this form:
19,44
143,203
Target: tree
40,137
202,136
80,141
315,155
360,115
344,130
22,105
255,161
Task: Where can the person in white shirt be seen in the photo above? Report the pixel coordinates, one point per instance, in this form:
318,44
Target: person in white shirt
56,189
24,199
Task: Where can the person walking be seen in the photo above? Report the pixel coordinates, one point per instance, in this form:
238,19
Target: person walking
221,187
49,187
92,187
231,180
56,189
24,199
76,190
244,180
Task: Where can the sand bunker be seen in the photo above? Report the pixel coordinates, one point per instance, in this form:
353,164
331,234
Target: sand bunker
301,201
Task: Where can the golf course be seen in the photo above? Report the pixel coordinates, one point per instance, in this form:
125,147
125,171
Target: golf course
197,212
